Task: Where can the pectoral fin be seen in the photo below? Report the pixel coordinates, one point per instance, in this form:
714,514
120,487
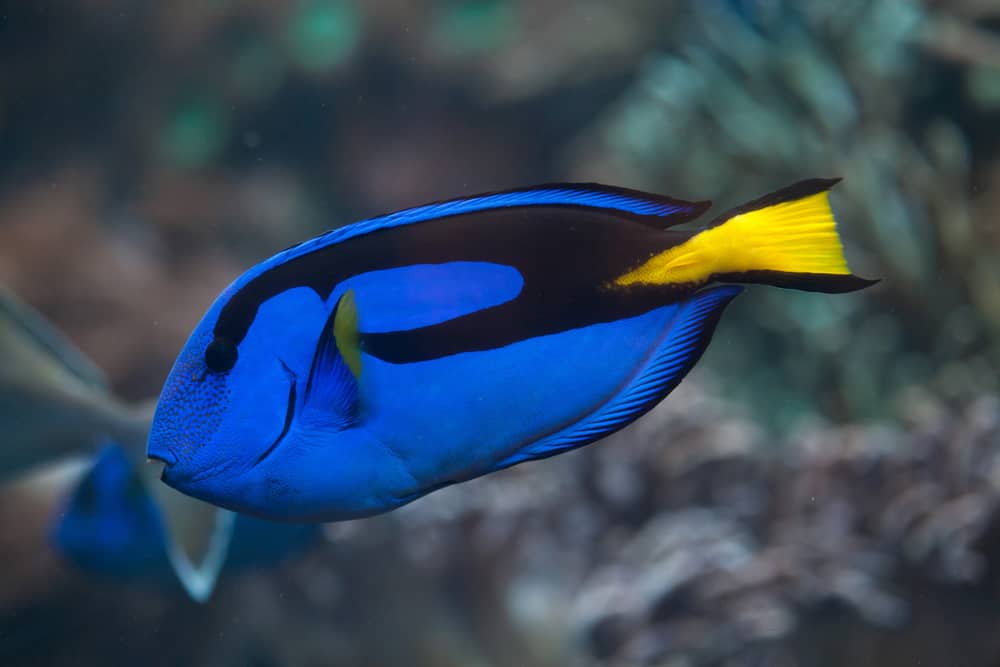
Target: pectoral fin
332,389
345,332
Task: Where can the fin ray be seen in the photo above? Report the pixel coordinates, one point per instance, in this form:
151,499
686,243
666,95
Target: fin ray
682,345
787,238
791,194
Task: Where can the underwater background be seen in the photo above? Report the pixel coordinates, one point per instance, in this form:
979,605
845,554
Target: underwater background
821,491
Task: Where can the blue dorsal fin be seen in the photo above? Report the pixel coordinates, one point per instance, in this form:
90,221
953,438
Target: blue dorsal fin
655,210
650,209
332,387
683,343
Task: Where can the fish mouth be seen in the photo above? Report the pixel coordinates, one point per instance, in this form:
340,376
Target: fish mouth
162,461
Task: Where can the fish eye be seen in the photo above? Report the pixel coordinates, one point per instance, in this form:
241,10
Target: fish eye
220,355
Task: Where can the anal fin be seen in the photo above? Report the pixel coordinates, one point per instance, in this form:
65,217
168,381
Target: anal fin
683,342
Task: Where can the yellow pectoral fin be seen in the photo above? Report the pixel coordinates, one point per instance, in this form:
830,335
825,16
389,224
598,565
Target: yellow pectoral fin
345,332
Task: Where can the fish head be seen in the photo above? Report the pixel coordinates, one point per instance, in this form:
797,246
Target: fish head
226,402
110,524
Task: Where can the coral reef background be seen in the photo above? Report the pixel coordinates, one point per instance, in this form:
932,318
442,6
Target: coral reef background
822,491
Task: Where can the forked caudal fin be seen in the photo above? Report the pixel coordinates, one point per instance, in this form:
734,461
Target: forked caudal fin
787,238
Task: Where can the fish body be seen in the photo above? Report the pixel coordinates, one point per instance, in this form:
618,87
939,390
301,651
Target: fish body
356,372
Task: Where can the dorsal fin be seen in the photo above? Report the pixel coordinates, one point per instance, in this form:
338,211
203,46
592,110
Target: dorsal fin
655,210
650,209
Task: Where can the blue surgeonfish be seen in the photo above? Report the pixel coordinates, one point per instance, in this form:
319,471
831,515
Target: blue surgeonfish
56,405
360,370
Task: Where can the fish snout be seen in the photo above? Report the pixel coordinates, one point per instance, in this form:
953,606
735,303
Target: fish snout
160,464
161,457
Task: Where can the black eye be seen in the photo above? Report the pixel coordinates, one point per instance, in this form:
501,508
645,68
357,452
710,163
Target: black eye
220,355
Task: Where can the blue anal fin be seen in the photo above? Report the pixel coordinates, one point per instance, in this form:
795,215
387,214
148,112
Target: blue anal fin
682,344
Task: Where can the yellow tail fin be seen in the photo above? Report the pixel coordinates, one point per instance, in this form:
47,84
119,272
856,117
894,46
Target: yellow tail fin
787,238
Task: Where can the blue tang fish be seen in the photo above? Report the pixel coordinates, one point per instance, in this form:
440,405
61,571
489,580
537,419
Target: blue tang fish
360,370
112,526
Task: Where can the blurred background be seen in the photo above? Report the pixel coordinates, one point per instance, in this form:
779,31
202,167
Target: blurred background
823,490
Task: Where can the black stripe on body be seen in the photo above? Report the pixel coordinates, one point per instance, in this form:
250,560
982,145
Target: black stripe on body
567,255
